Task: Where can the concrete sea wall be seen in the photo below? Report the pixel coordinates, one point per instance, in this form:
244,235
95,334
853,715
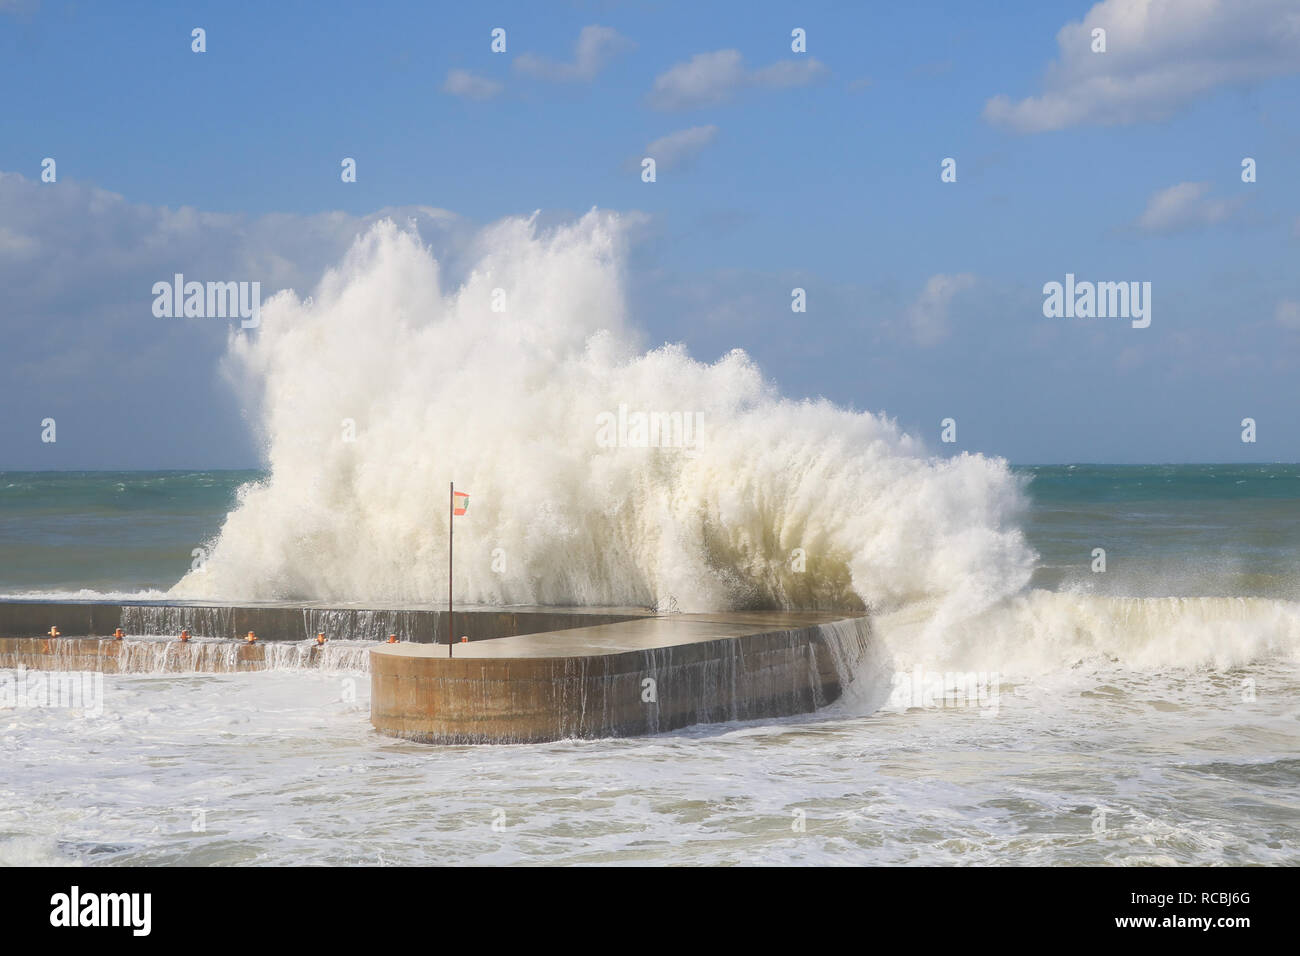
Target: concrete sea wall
526,675
291,622
627,679
132,656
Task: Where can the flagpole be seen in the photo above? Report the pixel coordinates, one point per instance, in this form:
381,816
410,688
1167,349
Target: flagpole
451,533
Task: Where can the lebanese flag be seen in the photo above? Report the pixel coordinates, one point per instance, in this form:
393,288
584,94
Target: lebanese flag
459,502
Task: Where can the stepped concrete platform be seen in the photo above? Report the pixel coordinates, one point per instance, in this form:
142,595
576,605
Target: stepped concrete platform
157,656
292,622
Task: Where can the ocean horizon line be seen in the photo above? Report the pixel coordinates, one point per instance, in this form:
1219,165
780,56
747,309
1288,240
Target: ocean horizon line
1013,464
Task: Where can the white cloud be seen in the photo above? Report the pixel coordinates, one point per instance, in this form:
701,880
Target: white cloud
466,84
112,246
785,74
929,314
708,79
1288,314
595,48
1184,206
14,245
1160,55
680,147
705,79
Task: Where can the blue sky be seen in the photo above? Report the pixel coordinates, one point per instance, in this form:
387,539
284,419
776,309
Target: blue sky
817,169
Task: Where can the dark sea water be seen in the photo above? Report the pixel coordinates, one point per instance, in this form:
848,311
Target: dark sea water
1169,530
131,531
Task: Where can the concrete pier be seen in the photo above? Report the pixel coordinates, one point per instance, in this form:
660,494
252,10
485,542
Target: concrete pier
614,680
525,675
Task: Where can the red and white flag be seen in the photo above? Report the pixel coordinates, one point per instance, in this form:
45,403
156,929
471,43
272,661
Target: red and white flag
459,502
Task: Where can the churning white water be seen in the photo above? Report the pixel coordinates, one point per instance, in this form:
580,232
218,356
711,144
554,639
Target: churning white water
1099,764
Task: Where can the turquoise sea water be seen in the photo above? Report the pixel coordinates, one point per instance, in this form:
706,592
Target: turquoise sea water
1168,530
107,531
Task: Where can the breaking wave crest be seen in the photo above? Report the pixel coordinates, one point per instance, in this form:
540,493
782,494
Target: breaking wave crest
771,503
